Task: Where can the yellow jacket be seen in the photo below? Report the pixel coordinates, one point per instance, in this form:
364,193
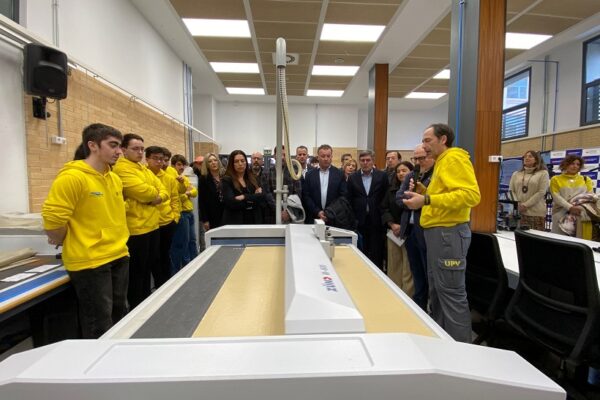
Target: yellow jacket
169,210
172,171
453,190
91,206
140,187
186,203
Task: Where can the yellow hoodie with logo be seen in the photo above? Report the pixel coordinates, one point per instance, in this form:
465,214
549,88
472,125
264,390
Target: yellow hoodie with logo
169,210
453,190
90,204
186,203
140,187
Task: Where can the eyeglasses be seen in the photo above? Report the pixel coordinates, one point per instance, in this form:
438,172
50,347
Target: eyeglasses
414,159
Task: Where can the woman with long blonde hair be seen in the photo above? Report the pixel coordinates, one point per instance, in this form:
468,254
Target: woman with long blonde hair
210,196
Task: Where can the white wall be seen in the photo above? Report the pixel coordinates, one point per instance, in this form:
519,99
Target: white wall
204,113
13,164
114,39
251,126
405,128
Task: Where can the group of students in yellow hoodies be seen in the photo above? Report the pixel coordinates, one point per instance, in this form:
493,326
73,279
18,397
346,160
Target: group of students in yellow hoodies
108,211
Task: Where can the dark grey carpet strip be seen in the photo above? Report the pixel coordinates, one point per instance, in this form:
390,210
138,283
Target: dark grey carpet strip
180,315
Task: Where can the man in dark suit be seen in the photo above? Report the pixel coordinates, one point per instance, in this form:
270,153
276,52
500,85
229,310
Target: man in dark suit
321,186
366,189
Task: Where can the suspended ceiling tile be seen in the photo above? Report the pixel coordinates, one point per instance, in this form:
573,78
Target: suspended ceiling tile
276,30
239,77
572,8
285,11
397,95
328,86
288,85
269,68
230,56
225,44
303,59
438,36
295,92
374,2
359,13
330,79
333,59
429,63
431,51
414,72
211,9
433,86
402,88
400,80
510,53
540,24
288,77
243,84
292,45
344,48
517,6
446,22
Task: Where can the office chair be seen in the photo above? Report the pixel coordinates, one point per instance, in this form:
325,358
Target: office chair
557,302
487,282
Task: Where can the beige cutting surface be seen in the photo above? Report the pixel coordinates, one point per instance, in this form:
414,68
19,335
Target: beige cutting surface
251,301
381,309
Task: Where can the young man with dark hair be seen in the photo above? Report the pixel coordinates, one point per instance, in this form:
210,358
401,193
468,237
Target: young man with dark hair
85,213
143,193
170,212
392,159
184,246
446,211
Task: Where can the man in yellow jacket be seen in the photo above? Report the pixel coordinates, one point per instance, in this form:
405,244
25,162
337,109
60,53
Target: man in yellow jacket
446,212
184,248
143,193
85,213
170,212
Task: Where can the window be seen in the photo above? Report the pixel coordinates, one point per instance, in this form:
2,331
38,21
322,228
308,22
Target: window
515,105
590,103
10,9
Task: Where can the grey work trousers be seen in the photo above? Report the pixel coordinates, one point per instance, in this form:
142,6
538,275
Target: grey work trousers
446,264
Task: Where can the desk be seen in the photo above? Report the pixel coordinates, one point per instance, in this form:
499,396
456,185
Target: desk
508,250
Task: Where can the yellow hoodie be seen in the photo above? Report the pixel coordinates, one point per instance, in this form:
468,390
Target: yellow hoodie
186,203
140,187
91,206
453,190
169,210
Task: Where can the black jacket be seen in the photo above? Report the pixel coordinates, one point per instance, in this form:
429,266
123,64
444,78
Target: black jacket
239,212
311,190
390,210
361,200
209,201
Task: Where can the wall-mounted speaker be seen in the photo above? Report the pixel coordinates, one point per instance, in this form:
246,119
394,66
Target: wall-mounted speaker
45,71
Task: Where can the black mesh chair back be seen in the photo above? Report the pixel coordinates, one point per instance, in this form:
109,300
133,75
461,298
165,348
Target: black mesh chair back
486,279
557,303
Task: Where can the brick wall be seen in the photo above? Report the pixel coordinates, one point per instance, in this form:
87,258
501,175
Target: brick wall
89,101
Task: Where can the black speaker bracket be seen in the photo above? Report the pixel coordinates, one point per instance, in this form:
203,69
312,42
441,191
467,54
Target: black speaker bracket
39,107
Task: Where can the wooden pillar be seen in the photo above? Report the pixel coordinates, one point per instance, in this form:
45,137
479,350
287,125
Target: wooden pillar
378,112
475,105
488,121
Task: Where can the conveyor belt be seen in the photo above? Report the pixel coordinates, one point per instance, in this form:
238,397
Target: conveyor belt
180,315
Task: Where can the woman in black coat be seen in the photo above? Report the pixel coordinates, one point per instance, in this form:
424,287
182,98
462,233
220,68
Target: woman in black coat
242,196
398,266
210,192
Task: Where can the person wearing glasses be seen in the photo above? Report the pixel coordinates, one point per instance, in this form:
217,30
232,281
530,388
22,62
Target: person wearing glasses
528,186
143,193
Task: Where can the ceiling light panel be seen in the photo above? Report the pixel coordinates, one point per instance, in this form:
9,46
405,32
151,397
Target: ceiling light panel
424,95
238,68
524,41
217,27
443,74
324,93
351,33
238,90
334,70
